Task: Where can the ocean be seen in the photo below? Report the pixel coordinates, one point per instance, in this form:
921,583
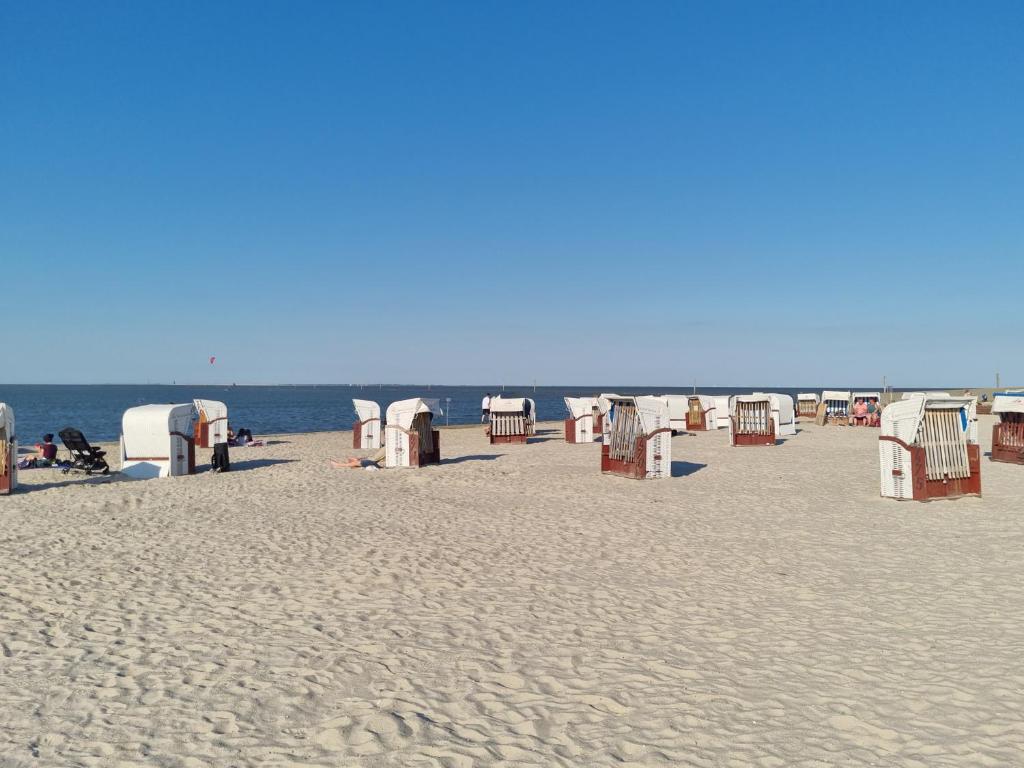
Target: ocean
97,409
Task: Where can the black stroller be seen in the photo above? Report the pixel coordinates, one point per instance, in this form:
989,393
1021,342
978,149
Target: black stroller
84,457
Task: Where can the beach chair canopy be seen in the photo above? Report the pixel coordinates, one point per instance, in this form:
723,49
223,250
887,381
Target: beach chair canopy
836,394
1008,402
580,406
215,414
805,396
707,402
678,405
781,405
914,395
145,429
604,401
866,395
508,404
903,418
748,399
652,410
402,412
366,410
214,409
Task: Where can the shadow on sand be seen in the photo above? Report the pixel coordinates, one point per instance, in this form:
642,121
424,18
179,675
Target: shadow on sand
685,468
245,466
472,457
66,480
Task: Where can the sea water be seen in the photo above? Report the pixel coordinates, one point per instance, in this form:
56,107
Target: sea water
97,409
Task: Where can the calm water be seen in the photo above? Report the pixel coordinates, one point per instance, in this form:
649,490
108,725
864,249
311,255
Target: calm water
97,409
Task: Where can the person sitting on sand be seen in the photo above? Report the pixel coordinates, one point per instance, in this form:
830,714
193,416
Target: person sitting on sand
46,451
45,455
243,438
357,463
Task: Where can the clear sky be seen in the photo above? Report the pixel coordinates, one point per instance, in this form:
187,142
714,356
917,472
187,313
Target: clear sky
482,192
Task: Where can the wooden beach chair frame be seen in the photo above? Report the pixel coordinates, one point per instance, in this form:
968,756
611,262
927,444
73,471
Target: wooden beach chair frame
639,445
751,421
928,449
1008,431
508,422
410,441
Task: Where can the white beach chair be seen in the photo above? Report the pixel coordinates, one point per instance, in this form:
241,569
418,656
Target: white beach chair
1008,431
926,449
837,406
751,420
783,413
806,405
158,441
639,443
579,427
367,431
701,413
211,427
409,436
508,421
8,451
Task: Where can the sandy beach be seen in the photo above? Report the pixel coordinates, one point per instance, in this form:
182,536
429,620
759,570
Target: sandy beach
514,607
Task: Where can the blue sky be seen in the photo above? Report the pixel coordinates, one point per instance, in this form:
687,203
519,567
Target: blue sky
738,193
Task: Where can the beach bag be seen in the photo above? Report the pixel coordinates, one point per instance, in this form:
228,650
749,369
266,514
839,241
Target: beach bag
221,461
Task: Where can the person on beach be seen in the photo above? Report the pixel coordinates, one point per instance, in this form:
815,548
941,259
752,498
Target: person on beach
860,411
874,412
357,463
485,407
45,456
46,451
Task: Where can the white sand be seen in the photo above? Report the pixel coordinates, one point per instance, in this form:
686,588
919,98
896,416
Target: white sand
514,607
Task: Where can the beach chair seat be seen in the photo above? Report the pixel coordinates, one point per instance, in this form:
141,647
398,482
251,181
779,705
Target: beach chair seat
84,457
